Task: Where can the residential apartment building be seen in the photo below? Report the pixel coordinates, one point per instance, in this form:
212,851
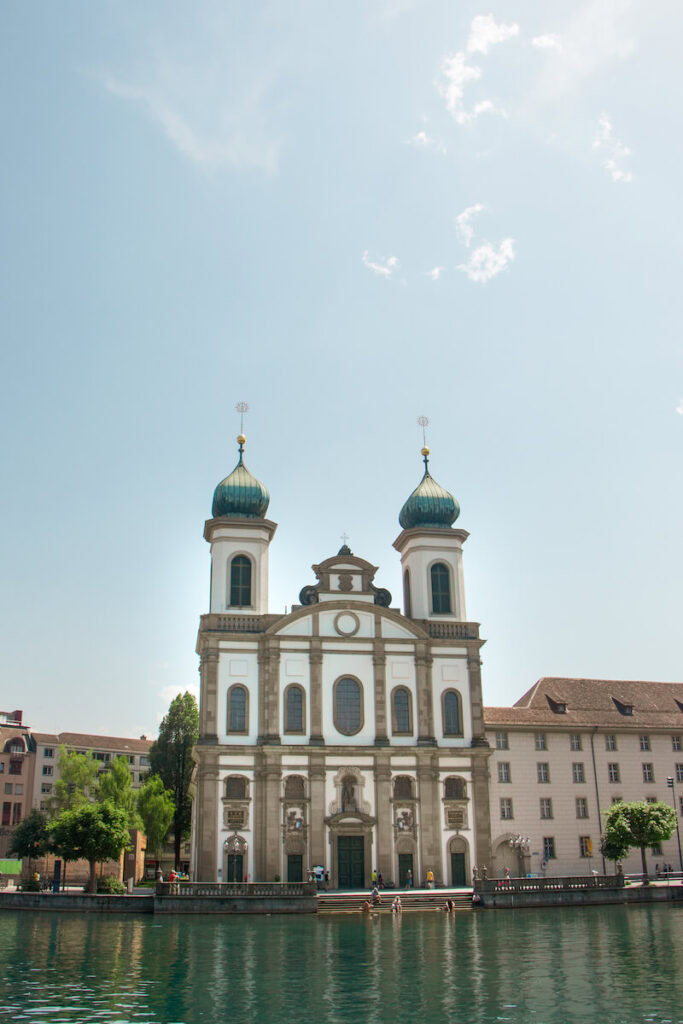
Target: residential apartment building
563,754
17,756
105,750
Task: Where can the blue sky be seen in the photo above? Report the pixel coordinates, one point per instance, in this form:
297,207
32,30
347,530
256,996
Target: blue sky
348,215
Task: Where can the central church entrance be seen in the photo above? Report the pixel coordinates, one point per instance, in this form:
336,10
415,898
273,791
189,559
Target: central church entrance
351,862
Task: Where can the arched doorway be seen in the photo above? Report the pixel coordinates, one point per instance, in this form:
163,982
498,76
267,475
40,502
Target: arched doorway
505,856
234,859
459,870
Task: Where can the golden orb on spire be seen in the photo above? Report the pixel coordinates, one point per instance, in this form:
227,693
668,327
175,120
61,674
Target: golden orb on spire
424,451
241,439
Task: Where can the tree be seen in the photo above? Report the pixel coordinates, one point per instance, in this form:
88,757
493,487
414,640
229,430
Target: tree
171,759
640,825
156,809
616,842
77,783
116,787
96,832
31,838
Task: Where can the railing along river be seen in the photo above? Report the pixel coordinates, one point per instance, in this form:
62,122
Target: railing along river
549,884
241,889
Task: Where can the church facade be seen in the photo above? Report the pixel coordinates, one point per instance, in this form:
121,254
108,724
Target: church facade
347,735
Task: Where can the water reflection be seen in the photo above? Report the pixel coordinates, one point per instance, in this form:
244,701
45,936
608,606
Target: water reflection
608,964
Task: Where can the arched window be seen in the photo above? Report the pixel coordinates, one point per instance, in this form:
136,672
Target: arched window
348,706
294,787
294,709
455,789
402,712
237,709
403,787
407,603
240,582
236,788
441,589
452,717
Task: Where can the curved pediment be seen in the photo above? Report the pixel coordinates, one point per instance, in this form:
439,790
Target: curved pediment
306,621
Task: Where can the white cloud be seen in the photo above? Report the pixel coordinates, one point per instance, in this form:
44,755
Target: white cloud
463,223
384,269
424,141
486,261
614,151
434,274
549,41
485,32
679,408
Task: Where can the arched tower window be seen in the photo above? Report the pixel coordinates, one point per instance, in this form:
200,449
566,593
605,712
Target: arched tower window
407,603
240,582
403,787
402,711
348,706
441,589
455,789
237,709
235,788
294,787
294,709
452,715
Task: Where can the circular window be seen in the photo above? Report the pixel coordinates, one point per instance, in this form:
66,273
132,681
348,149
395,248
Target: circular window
346,623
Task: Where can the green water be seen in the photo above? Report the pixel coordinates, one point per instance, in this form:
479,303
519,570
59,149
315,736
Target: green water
602,964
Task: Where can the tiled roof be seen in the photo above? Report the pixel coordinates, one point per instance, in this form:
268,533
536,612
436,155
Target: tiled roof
595,702
91,742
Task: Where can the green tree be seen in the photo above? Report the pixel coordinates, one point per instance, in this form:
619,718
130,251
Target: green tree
156,809
96,832
639,824
31,838
171,759
116,787
616,841
77,783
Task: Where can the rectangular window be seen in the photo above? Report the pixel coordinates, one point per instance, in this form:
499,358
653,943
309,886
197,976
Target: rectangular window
585,846
648,773
644,742
16,814
581,807
8,787
613,774
675,743
15,767
503,771
578,774
47,769
680,801
506,808
546,807
543,771
501,741
656,851
548,848
43,805
610,742
540,741
48,752
2,767
679,773
6,813
144,761
19,789
650,799
46,787
575,741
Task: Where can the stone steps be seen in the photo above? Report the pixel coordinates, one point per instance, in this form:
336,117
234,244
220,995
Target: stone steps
411,899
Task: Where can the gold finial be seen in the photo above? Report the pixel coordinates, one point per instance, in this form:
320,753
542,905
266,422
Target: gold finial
424,451
241,439
423,422
241,408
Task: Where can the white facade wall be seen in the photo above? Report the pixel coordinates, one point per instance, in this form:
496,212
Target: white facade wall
238,668
418,556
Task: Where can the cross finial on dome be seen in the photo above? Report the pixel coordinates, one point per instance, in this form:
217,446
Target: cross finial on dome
423,421
241,408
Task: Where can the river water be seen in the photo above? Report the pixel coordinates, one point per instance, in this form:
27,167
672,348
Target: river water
600,964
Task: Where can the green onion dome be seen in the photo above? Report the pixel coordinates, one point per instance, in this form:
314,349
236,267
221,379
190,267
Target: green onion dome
240,495
429,505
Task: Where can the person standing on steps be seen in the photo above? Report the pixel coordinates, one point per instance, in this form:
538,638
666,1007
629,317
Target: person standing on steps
409,879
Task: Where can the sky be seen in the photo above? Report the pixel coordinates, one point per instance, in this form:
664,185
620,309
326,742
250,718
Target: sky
348,216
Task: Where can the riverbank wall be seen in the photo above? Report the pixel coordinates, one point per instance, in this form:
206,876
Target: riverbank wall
514,898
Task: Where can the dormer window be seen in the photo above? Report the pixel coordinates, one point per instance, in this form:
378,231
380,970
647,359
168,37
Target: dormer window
622,708
558,707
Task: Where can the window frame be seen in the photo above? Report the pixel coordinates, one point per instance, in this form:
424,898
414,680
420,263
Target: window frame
458,696
575,742
228,710
549,852
540,741
286,729
407,595
578,772
456,779
648,771
502,741
676,744
581,803
449,573
506,805
355,679
402,777
645,744
252,575
546,808
611,742
543,773
504,770
613,772
240,778
395,731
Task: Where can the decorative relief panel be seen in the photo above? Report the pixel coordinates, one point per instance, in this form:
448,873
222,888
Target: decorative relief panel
404,821
349,783
455,814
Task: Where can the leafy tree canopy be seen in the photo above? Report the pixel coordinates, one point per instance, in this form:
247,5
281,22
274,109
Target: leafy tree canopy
116,787
638,824
31,838
171,759
77,783
156,809
96,832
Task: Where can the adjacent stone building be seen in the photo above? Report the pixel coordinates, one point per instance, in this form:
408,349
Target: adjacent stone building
17,757
347,735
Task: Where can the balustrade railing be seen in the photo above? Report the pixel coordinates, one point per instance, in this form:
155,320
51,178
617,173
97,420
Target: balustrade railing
451,630
241,889
549,884
237,623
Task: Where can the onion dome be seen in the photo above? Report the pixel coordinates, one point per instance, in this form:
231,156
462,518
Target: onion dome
240,495
429,505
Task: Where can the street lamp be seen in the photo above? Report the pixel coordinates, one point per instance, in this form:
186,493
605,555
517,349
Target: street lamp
521,845
670,784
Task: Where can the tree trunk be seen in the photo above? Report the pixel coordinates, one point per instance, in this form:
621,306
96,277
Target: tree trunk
646,880
92,887
176,849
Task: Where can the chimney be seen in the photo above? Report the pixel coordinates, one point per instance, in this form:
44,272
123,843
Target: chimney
17,716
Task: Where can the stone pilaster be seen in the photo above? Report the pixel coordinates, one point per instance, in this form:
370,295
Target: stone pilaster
316,775
379,663
482,815
208,697
269,683
206,821
315,661
425,710
273,816
385,844
476,703
430,821
259,816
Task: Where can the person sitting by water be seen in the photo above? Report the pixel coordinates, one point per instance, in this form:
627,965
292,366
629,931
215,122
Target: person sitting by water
366,908
376,898
450,906
397,906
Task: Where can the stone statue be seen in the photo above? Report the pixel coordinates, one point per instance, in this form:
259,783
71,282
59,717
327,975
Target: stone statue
484,873
348,799
475,873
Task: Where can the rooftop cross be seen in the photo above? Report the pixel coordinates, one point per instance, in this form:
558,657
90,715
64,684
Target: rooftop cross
241,408
422,421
